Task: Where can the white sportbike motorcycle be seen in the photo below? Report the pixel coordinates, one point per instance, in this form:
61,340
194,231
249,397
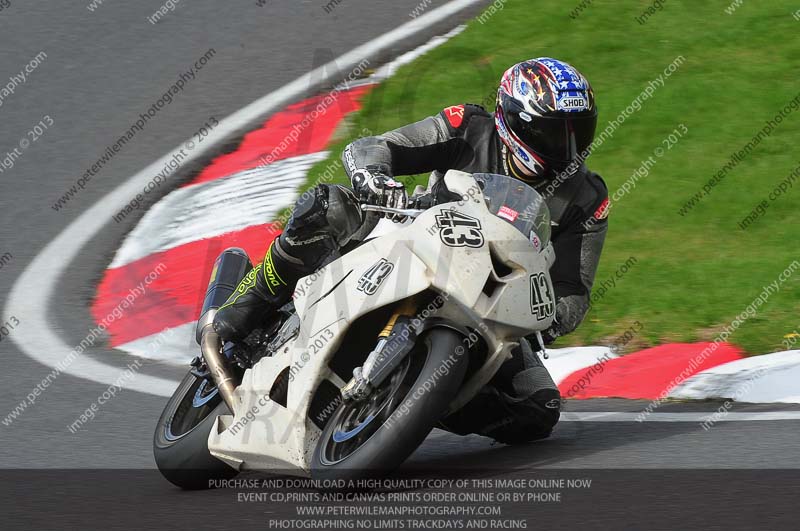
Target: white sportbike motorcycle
376,347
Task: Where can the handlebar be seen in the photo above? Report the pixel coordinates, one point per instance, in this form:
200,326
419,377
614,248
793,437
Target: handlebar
416,206
408,212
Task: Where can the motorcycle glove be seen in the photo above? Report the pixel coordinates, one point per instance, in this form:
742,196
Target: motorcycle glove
377,188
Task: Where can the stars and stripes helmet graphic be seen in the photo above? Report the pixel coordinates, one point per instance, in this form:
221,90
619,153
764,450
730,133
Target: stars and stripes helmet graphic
546,115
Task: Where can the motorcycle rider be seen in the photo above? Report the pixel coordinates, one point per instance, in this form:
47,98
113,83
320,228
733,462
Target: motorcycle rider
540,133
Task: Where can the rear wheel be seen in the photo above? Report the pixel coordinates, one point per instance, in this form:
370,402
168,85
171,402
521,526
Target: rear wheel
180,442
372,437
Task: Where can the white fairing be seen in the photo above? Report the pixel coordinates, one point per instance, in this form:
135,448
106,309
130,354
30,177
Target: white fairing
414,258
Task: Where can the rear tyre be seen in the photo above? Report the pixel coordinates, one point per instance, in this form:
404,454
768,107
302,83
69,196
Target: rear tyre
371,438
180,442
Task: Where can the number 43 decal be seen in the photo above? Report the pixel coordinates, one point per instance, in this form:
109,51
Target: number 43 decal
371,280
542,304
459,230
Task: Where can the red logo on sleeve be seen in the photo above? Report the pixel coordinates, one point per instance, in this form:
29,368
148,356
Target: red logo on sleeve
602,210
455,115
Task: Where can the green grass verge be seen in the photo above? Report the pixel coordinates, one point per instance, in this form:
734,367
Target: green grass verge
694,273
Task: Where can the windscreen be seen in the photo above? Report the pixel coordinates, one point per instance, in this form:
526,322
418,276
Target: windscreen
519,204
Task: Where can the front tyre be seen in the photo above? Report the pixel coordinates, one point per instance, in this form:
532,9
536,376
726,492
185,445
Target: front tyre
372,437
180,442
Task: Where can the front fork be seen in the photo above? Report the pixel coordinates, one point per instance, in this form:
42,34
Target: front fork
395,341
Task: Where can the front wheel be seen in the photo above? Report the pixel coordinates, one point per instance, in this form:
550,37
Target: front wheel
180,442
372,437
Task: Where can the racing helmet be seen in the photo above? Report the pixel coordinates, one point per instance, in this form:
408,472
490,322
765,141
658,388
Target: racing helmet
546,116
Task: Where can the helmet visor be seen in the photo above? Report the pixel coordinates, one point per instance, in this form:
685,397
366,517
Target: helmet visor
559,139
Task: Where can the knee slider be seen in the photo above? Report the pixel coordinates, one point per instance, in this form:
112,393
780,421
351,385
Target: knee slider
549,406
310,208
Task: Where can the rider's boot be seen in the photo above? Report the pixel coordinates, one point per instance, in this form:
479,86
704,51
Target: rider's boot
267,287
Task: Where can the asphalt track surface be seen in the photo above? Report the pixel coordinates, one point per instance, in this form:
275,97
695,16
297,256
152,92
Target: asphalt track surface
102,69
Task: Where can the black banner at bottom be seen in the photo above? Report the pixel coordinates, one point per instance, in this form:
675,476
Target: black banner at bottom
462,499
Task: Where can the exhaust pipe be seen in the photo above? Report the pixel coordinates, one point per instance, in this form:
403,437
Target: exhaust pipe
230,268
211,347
